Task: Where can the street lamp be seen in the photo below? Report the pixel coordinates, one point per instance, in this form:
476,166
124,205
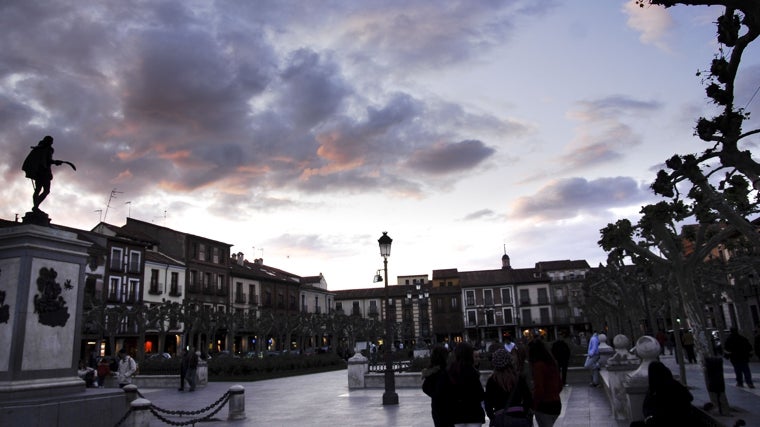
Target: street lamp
390,397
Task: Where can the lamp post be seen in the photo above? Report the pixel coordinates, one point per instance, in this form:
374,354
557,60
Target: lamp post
390,397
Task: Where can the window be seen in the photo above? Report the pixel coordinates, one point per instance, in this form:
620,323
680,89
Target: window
113,288
527,319
356,310
175,283
508,316
543,296
116,258
470,298
545,318
154,281
454,303
373,307
506,296
134,261
488,296
338,306
489,317
201,252
524,297
220,282
133,291
216,255
472,319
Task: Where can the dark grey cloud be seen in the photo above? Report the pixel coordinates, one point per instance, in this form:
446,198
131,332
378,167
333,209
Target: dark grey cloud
603,135
567,198
445,158
188,96
479,215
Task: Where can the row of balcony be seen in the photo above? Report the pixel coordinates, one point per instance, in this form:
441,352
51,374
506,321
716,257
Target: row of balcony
157,289
470,302
557,320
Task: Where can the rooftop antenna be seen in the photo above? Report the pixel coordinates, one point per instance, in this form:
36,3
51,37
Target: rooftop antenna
129,211
108,205
100,215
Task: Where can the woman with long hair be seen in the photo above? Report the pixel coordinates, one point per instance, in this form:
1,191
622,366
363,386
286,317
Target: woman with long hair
506,382
464,391
547,384
434,380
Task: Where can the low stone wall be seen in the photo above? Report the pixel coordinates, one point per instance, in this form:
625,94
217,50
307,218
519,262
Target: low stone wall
406,379
166,381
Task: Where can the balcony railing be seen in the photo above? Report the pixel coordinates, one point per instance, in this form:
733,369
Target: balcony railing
221,291
253,299
525,301
543,300
194,287
240,298
155,290
208,290
175,291
470,302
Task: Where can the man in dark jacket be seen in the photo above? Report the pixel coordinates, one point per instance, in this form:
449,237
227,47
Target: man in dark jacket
738,350
561,352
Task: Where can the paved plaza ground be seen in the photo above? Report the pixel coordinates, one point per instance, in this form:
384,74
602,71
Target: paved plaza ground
325,400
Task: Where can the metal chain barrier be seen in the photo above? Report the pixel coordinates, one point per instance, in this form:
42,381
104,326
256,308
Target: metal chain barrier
157,411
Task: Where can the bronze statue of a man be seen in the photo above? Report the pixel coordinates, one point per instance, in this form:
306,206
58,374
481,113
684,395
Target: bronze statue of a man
38,167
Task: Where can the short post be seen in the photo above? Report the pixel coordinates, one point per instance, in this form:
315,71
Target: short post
637,382
357,367
140,413
130,392
236,403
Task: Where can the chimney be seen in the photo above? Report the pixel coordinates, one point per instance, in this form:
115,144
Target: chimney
240,258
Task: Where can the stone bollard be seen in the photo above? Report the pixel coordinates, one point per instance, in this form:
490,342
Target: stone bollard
619,365
637,382
130,392
605,351
236,403
140,415
357,367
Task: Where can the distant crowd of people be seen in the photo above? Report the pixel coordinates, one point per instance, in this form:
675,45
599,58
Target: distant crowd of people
528,377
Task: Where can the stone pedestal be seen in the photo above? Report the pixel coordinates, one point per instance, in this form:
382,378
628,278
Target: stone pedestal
619,365
41,292
637,382
357,367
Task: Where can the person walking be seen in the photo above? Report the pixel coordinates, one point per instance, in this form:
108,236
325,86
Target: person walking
191,365
667,402
434,382
182,369
507,391
104,371
687,341
738,350
592,359
547,384
464,393
127,368
561,352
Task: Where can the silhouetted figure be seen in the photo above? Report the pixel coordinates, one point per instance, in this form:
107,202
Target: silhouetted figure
738,350
667,402
38,167
434,384
464,393
561,352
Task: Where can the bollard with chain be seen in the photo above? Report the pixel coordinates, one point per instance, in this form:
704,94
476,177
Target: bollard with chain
140,414
130,392
236,403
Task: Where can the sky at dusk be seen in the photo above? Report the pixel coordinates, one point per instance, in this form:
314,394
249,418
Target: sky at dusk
301,130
